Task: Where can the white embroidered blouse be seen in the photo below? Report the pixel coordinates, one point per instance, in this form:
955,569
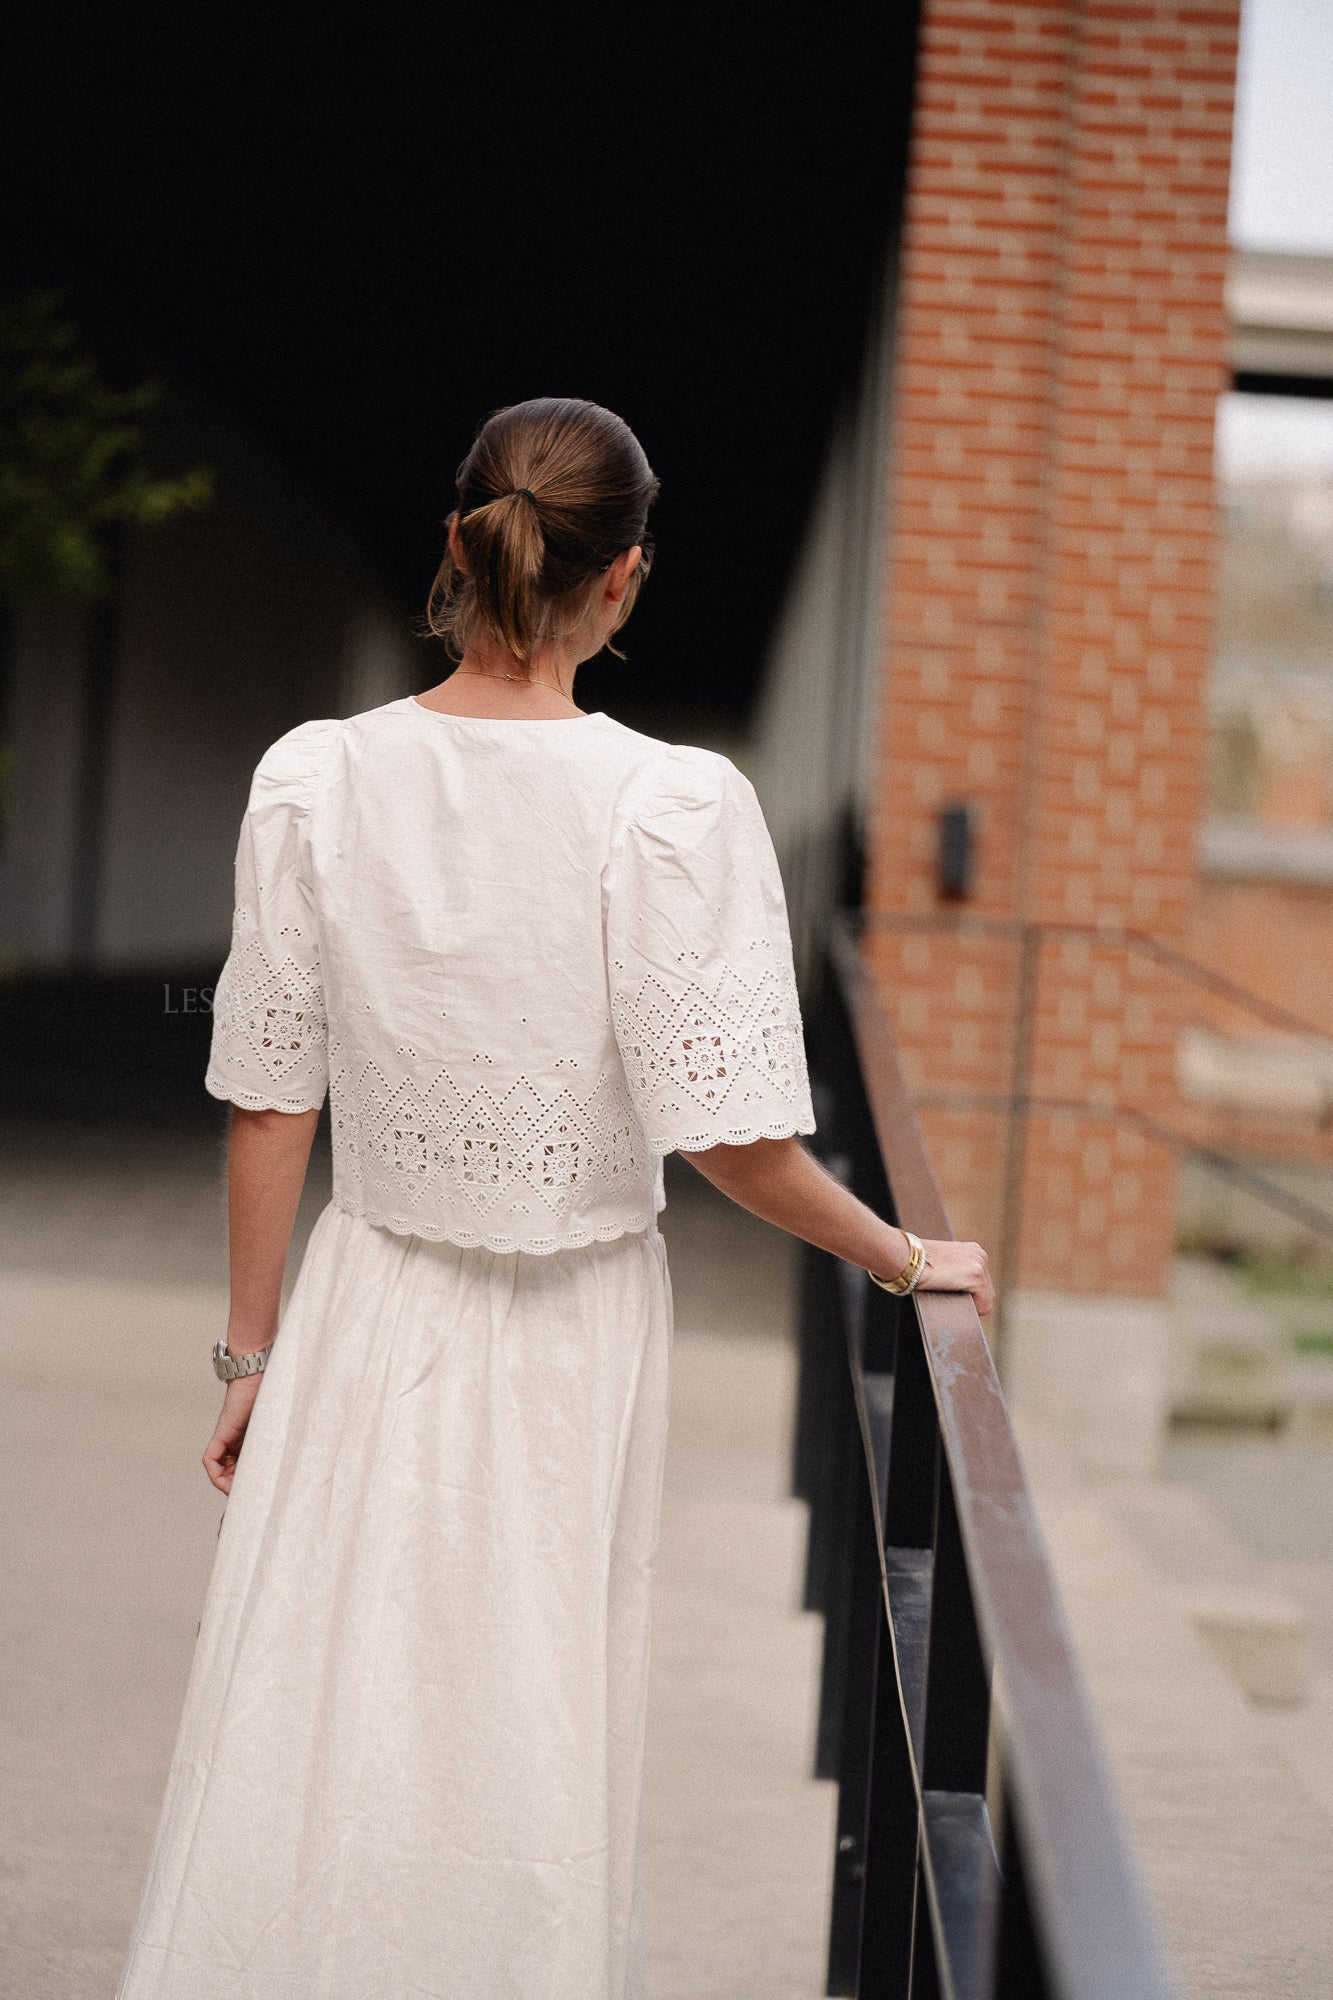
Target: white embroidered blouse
523,959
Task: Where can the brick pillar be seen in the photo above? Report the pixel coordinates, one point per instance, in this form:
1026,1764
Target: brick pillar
1061,348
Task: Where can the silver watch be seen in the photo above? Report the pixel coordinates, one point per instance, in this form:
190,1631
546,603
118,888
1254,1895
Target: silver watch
228,1366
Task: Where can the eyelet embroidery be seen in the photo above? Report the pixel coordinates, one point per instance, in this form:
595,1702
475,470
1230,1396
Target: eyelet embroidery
269,1018
400,1145
519,1167
734,1054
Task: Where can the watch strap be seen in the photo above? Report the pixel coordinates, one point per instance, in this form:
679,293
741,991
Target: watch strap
227,1367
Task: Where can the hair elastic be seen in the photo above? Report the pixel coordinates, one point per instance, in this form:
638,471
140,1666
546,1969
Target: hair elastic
466,507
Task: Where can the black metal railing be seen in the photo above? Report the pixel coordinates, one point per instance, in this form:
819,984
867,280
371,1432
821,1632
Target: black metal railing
979,1849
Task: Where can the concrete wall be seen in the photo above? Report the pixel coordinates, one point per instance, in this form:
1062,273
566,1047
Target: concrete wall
816,727
233,625
38,841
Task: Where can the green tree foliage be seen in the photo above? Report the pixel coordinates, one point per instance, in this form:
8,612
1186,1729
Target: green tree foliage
72,464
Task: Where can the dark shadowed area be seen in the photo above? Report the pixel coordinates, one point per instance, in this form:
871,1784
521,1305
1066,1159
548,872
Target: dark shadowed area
359,229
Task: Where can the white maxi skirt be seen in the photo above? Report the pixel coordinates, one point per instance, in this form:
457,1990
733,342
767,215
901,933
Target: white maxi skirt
410,1764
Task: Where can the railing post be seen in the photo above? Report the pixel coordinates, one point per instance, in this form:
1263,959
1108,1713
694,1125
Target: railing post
1019,1971
924,1983
909,1508
821,1423
893,1836
861,1692
957,1730
845,1479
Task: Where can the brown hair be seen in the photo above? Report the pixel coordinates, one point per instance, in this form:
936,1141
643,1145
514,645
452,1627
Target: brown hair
550,494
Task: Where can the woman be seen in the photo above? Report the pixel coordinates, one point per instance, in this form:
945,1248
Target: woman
527,952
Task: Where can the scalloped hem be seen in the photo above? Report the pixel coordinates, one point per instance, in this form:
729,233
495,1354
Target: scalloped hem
737,1135
500,1246
251,1100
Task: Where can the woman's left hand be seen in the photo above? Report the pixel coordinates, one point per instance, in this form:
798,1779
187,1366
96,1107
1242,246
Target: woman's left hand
224,1447
958,1267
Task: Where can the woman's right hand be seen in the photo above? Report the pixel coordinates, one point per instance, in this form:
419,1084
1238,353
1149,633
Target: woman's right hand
958,1267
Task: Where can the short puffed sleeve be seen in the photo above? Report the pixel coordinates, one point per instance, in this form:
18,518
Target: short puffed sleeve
270,1035
703,995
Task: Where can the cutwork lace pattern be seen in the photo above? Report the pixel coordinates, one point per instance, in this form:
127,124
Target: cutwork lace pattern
716,1064
520,1165
505,1168
525,1165
270,1030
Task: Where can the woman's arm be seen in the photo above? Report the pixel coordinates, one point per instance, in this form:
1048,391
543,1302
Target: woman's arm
267,1155
779,1180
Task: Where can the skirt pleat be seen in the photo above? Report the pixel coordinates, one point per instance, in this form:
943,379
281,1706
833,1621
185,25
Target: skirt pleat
410,1762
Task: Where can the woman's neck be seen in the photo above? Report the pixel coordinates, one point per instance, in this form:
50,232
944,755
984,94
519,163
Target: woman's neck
490,681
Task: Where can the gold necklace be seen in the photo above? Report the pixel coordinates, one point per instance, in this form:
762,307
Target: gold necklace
476,674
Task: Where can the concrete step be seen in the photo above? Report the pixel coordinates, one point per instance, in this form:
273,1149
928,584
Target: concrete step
1232,1360
1263,1640
1303,1740
1258,1631
1226,1349
1308,1397
1235,1841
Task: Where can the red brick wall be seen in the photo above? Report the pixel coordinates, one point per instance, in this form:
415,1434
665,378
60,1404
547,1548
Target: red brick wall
1050,580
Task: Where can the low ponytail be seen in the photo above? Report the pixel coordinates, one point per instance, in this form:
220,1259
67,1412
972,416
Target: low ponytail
550,494
506,554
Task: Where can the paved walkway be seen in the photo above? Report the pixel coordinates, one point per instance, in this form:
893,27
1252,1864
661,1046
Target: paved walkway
113,1257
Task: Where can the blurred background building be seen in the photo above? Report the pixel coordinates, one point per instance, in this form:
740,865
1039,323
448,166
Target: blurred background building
1049,684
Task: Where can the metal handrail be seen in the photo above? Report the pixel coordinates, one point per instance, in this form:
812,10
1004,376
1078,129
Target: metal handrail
1125,936
928,1562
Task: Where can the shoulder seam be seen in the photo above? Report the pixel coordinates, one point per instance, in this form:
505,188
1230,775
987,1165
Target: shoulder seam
319,732
320,778
639,787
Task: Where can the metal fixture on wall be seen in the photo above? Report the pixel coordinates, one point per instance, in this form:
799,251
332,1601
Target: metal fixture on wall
955,855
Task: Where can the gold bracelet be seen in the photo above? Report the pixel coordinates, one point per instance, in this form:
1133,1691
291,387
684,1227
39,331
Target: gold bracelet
906,1280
